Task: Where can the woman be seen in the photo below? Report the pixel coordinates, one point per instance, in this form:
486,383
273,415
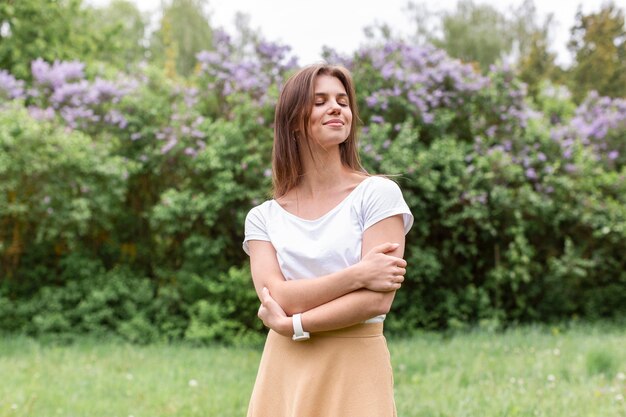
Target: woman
326,260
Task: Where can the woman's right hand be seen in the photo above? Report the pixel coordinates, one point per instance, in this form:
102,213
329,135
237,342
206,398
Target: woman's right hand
381,272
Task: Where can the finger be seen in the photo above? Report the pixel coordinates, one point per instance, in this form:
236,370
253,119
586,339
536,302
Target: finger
400,271
395,259
265,295
401,262
394,286
385,247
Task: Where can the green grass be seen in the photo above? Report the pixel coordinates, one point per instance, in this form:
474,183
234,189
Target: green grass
529,371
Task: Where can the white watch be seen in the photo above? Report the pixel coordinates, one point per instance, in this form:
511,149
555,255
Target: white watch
298,332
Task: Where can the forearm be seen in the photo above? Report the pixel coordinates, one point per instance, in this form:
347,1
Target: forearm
296,296
378,270
348,310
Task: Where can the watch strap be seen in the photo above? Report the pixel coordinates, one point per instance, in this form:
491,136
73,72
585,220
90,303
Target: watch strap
298,332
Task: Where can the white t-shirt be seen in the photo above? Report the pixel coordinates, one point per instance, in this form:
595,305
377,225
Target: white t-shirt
313,248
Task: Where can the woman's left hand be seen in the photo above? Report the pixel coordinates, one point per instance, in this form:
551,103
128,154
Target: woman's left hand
273,315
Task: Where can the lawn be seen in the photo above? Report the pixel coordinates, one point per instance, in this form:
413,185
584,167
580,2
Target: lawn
572,370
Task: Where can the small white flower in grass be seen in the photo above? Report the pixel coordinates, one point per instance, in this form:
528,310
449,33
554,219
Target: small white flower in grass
620,376
556,352
551,378
619,398
193,383
13,406
129,376
512,380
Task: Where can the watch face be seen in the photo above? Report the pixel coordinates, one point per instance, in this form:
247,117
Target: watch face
300,338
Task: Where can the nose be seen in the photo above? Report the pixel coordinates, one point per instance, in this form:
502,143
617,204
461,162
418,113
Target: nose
334,107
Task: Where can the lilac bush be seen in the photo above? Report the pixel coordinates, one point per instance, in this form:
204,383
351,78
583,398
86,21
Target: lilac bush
599,124
229,73
510,200
403,81
60,88
10,88
496,186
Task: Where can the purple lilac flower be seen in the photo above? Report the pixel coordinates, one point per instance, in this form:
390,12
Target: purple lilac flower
613,155
10,87
116,118
371,101
104,90
228,72
70,94
74,115
41,114
531,174
169,145
57,74
594,119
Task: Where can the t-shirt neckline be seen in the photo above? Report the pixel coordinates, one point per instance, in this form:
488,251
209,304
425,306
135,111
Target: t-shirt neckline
329,212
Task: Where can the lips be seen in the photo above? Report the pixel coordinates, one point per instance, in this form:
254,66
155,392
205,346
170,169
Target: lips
334,122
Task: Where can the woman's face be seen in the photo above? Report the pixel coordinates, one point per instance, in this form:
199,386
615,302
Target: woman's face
331,116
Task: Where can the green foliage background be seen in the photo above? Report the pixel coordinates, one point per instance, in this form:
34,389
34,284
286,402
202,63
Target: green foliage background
104,231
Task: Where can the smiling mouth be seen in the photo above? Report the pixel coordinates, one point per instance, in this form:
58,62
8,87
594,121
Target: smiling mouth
333,123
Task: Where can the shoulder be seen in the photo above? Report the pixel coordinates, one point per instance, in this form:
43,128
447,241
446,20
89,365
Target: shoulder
377,184
259,212
383,198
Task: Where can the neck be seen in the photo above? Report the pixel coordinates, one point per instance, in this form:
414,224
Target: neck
324,172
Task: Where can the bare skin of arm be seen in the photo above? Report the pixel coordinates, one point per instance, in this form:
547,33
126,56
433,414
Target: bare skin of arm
379,270
350,308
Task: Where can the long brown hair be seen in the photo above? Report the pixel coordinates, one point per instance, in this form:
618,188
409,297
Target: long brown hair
291,120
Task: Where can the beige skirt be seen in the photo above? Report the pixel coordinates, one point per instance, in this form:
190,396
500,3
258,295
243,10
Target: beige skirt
340,373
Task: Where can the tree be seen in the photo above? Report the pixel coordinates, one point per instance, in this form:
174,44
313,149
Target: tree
123,18
536,63
598,43
49,29
184,32
475,33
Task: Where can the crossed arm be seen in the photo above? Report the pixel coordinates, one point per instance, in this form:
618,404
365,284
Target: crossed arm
337,300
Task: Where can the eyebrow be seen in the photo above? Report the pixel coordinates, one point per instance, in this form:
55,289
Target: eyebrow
326,95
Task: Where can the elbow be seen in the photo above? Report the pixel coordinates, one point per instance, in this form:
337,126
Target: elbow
289,305
382,304
291,310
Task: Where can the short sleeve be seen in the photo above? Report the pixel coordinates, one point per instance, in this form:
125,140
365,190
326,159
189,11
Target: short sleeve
383,198
255,227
